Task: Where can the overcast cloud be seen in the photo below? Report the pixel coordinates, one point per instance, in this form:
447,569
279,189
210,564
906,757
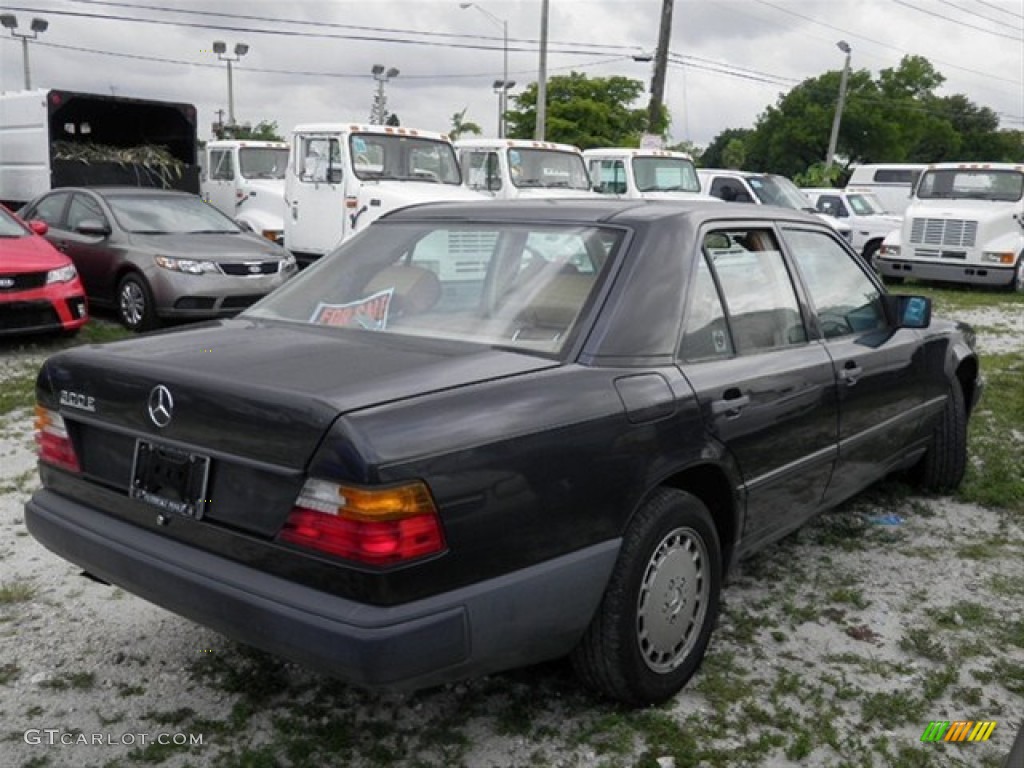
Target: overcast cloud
310,60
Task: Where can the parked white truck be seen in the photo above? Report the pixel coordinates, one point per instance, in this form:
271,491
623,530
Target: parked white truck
652,174
862,210
514,168
245,180
964,224
341,177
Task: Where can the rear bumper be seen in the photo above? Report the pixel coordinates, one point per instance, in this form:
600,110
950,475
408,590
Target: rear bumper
524,617
949,272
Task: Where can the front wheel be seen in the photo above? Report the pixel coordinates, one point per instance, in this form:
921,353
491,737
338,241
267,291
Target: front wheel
135,307
1017,284
650,632
943,465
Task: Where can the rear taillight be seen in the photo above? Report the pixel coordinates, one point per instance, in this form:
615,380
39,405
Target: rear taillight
52,442
374,526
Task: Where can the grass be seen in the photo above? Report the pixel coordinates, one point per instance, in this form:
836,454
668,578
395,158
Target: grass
16,592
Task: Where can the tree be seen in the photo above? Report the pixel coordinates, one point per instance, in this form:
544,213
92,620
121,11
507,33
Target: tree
392,120
587,112
725,148
265,130
462,126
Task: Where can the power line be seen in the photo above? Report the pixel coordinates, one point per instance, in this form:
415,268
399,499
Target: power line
1015,38
1001,10
974,13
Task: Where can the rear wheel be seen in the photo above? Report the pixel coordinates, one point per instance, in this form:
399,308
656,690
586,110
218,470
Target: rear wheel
871,253
135,307
650,632
942,467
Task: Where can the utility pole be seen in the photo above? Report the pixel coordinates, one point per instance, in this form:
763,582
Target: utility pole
660,65
542,75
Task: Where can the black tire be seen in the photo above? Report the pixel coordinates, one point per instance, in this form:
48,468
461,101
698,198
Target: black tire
871,252
1017,283
135,307
892,280
942,468
633,651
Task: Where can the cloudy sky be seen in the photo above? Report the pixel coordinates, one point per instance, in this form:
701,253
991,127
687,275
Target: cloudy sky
310,60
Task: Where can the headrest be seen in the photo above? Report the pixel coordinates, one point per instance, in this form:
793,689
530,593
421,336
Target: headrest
416,289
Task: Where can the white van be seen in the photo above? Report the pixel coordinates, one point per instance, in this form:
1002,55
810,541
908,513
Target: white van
862,210
515,168
245,180
763,189
652,174
964,224
342,176
892,183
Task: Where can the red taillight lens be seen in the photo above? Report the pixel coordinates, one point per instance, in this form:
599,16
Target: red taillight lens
378,527
52,442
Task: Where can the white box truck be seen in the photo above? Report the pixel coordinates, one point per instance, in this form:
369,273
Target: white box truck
892,183
245,180
652,174
508,169
49,138
964,224
341,177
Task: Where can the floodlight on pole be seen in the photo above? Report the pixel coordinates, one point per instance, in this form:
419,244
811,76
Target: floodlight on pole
379,112
221,49
503,23
833,140
10,22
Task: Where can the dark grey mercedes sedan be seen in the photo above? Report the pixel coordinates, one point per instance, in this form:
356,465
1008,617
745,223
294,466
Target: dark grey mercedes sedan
482,435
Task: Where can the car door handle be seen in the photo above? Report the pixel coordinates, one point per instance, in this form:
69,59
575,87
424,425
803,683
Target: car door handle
731,404
851,373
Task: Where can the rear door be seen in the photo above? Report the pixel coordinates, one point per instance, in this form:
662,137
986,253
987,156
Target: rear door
880,371
766,391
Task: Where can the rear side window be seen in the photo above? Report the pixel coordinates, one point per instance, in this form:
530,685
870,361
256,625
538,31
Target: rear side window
846,300
51,209
757,296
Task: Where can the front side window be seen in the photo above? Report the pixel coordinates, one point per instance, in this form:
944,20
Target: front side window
519,286
846,300
609,176
10,226
403,158
482,171
84,208
319,159
757,291
221,165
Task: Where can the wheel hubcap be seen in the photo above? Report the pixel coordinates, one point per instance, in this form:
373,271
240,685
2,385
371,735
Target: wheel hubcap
133,303
673,600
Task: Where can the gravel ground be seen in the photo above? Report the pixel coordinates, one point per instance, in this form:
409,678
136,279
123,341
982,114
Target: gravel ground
836,647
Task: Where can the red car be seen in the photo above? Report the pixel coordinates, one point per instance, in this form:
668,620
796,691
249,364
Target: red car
39,286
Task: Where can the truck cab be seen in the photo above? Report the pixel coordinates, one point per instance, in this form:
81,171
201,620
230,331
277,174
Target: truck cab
763,189
862,210
964,224
245,180
652,174
507,169
342,176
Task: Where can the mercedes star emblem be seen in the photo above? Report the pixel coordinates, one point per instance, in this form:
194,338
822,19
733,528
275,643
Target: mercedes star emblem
161,405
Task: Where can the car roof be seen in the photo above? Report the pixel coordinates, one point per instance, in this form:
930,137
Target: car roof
599,210
119,190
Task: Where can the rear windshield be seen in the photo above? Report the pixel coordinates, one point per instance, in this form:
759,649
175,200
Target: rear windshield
520,286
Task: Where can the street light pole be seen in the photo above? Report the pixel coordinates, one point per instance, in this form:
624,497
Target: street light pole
10,21
379,112
220,48
503,96
833,140
542,76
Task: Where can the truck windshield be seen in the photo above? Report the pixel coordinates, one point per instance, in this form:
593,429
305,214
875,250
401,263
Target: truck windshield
404,158
778,190
665,174
517,286
1005,186
865,204
263,162
547,168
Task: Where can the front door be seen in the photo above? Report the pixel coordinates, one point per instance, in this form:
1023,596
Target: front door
315,220
220,184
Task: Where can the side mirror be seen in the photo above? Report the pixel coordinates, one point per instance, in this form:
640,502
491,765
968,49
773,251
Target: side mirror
910,311
92,227
39,226
334,176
